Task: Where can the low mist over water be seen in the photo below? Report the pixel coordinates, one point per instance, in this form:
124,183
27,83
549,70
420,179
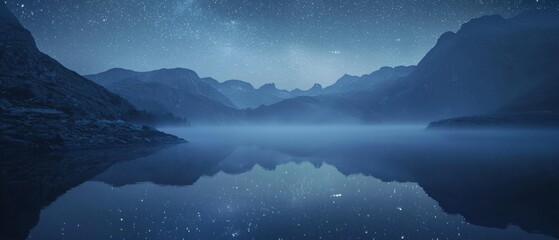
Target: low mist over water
379,138
336,182
279,120
285,134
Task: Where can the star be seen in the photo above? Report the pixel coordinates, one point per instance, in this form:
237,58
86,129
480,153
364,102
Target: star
289,42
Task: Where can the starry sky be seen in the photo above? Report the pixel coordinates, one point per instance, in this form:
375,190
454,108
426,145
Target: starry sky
293,43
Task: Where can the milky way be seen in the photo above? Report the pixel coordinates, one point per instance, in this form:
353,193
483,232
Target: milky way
293,43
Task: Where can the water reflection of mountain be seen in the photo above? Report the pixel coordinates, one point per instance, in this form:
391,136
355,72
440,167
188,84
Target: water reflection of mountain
492,181
30,182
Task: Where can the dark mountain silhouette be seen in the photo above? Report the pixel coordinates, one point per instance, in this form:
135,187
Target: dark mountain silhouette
544,98
346,101
170,91
537,109
377,79
316,89
244,95
489,63
45,105
307,110
182,93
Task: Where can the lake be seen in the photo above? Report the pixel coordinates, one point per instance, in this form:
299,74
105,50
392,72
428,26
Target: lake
332,182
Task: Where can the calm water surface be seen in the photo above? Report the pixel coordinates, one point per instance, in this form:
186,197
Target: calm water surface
294,183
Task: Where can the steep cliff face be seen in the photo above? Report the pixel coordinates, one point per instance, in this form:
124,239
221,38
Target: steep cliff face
31,79
487,64
45,105
519,84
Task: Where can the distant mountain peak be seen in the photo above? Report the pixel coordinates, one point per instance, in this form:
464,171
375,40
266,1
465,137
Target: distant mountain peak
268,86
176,73
348,76
239,83
487,21
385,68
316,86
447,36
112,70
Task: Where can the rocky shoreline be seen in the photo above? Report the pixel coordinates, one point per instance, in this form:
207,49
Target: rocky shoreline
511,120
38,129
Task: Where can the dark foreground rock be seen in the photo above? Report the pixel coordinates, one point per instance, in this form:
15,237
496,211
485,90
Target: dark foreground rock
45,106
37,129
511,120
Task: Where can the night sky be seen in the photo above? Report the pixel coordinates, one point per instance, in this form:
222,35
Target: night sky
293,43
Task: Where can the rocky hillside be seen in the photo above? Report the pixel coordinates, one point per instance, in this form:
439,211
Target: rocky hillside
45,105
531,96
488,64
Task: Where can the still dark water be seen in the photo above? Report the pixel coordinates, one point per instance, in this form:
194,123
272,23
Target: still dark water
293,183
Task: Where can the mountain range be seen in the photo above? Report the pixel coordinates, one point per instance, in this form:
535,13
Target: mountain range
178,91
182,93
492,65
